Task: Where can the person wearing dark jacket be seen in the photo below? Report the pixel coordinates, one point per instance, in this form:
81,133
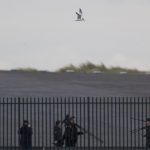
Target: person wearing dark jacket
147,128
71,133
25,136
58,138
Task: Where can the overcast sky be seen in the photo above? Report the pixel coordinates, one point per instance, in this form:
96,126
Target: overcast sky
43,34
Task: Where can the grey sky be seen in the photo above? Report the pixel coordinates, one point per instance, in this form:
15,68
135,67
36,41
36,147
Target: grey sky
43,34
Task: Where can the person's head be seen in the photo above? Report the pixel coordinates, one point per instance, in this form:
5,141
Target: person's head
72,119
25,122
58,122
148,121
67,117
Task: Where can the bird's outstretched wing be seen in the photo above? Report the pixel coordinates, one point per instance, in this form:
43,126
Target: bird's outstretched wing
80,10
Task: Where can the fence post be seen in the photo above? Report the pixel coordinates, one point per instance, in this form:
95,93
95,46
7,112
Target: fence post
19,112
88,118
19,119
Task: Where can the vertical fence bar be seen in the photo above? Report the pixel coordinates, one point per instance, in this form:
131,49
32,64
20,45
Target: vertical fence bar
50,121
107,108
77,117
81,141
100,116
119,123
92,119
72,104
46,122
116,139
23,108
139,118
84,104
146,119
58,117
131,105
54,115
96,126
112,122
65,107
38,120
142,119
123,121
57,109
19,120
30,112
34,124
68,105
88,117
3,124
26,111
27,108
104,115
61,110
42,136
7,103
134,110
31,118
15,114
127,116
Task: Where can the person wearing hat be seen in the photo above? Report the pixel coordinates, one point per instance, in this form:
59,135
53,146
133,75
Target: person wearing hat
58,138
71,133
25,136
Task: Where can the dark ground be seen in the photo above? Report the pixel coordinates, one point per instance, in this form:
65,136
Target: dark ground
72,84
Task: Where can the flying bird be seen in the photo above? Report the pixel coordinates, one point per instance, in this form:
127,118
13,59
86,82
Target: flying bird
79,15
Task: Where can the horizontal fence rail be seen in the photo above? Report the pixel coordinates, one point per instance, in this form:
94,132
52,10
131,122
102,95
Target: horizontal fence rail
112,122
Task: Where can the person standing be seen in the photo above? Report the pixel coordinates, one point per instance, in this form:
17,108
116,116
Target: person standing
71,133
25,136
147,135
58,138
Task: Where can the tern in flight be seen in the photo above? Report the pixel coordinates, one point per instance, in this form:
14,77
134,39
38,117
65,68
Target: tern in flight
79,15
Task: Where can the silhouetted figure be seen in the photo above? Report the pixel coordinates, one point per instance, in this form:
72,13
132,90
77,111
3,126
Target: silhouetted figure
25,136
71,132
147,128
79,15
58,138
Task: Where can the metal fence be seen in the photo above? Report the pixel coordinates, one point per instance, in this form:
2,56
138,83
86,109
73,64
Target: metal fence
117,121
